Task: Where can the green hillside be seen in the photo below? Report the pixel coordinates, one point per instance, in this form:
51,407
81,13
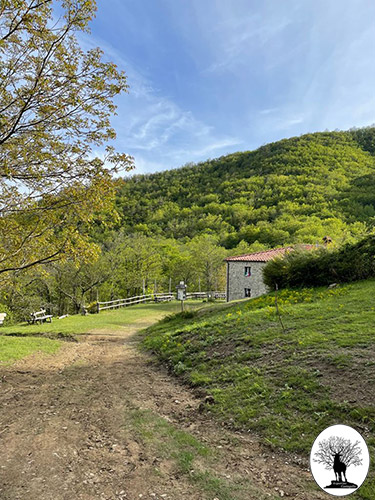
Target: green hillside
293,190
181,224
285,384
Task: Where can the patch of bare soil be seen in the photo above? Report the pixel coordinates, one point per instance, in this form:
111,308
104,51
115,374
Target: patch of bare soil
63,431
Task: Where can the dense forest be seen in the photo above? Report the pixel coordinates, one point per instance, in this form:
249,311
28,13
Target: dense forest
181,224
294,190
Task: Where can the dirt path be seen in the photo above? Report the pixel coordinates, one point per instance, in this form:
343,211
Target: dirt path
102,421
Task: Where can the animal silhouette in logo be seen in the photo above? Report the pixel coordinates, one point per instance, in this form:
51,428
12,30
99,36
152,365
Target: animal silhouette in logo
339,467
339,454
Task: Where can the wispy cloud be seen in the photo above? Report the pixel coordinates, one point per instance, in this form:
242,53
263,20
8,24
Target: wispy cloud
215,147
209,78
277,120
160,129
268,111
150,126
241,38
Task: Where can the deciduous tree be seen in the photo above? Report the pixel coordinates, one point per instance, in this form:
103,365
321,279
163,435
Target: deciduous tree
56,101
350,453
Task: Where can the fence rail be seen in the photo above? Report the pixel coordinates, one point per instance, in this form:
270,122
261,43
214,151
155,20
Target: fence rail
155,297
196,295
206,295
139,299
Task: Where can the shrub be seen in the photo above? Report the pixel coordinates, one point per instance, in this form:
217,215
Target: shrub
321,267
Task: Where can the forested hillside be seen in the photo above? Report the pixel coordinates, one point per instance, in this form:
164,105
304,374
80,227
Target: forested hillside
181,224
293,190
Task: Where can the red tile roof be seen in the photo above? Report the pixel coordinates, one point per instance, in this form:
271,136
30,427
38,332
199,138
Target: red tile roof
266,255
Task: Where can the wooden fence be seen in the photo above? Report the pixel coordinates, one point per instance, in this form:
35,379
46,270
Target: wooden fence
206,295
155,297
139,299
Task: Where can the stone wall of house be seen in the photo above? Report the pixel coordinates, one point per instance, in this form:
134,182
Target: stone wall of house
237,281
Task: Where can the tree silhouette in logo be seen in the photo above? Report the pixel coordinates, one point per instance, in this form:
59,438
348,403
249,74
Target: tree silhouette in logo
339,454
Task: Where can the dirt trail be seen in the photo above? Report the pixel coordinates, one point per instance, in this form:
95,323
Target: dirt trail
64,431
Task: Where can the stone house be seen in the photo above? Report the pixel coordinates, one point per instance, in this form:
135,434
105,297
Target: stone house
244,272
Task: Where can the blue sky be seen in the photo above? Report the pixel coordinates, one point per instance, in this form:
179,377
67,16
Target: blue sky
210,77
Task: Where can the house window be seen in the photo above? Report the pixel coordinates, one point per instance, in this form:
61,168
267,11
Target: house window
247,292
247,271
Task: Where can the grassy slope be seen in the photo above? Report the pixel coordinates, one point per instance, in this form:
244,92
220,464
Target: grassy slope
287,386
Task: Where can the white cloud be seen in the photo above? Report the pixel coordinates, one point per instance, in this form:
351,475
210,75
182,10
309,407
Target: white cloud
150,126
238,39
213,147
268,111
275,69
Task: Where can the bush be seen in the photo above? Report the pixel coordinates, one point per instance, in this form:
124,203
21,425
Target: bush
321,267
277,272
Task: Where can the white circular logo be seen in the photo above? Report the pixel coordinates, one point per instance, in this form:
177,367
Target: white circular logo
339,460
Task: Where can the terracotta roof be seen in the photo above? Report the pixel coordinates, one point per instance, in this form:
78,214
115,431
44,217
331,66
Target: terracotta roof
266,255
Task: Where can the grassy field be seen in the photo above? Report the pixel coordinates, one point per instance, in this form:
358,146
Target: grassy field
109,319
12,348
287,384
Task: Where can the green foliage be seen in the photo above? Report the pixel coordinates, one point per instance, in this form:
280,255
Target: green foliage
292,191
136,260
56,103
181,224
127,266
321,267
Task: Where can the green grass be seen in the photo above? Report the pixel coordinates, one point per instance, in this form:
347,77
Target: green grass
12,348
188,457
285,385
19,341
106,320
